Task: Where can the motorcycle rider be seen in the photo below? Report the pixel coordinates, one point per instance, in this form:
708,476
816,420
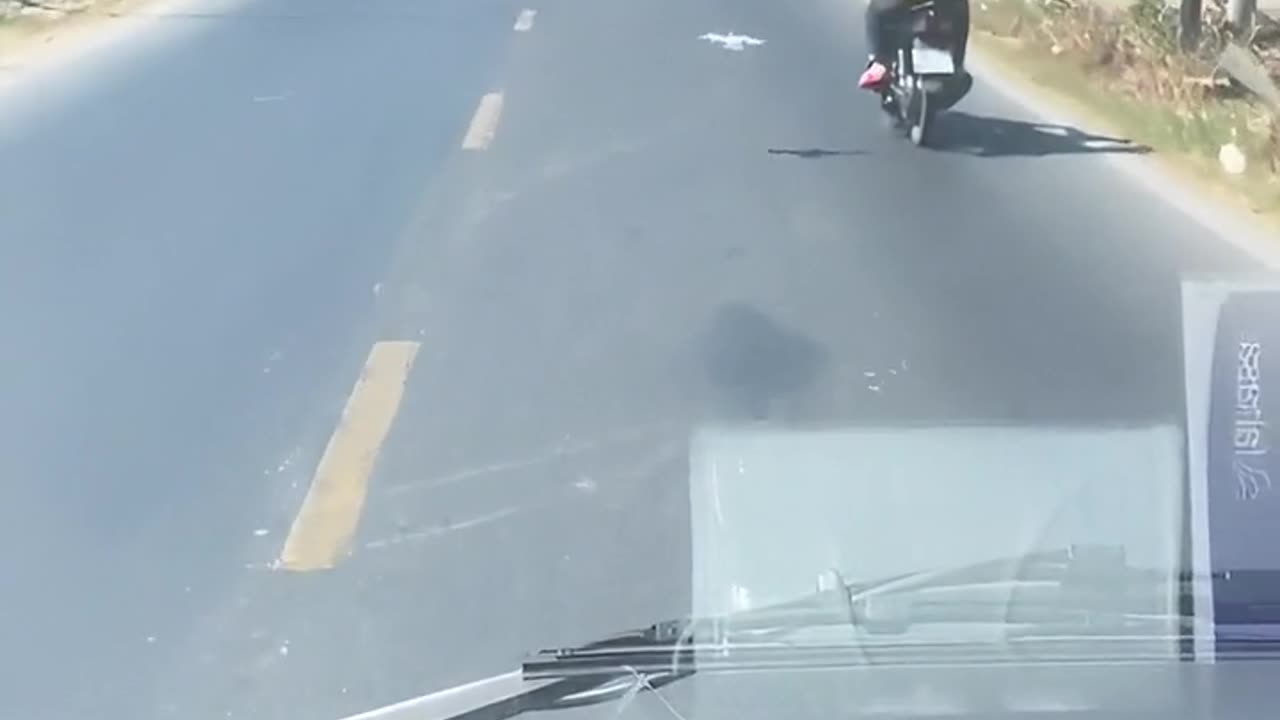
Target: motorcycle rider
883,15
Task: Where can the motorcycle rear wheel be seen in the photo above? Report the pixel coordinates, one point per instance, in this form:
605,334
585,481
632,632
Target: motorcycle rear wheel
919,117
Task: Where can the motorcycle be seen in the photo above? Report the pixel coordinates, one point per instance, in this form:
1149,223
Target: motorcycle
923,79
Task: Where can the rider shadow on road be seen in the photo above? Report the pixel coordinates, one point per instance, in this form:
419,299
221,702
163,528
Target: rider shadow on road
961,132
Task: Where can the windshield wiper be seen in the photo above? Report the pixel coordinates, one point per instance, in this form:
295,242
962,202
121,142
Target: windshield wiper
1077,619
1075,582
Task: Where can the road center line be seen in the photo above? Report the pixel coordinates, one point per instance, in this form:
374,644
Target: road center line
484,123
327,521
524,21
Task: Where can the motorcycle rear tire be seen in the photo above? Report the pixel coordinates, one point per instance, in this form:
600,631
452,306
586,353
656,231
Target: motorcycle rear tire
919,118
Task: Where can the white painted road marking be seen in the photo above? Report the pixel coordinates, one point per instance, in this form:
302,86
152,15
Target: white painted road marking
732,41
524,21
484,124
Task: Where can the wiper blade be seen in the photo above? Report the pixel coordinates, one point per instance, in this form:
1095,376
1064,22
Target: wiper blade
649,658
667,647
669,651
891,605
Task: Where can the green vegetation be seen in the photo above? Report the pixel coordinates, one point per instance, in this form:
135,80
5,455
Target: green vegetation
1123,65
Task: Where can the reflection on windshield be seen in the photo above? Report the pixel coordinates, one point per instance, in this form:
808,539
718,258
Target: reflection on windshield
359,352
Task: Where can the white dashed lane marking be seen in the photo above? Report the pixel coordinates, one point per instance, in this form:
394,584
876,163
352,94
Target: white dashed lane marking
524,21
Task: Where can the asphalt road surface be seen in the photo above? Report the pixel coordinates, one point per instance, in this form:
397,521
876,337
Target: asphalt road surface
208,232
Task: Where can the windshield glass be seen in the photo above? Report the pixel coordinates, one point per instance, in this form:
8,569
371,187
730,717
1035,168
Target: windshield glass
355,351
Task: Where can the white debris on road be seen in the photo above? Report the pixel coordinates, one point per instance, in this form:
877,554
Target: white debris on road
272,359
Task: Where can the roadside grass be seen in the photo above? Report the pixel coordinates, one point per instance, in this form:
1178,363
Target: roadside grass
21,35
37,18
1122,67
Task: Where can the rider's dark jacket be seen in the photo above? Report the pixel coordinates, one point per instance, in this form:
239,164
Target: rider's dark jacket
884,15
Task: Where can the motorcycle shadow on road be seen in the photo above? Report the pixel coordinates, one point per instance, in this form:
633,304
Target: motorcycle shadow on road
985,136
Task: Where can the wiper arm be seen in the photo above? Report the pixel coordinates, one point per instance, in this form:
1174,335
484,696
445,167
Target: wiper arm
594,673
602,671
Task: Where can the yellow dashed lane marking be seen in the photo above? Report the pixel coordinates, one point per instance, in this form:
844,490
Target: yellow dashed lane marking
323,529
484,123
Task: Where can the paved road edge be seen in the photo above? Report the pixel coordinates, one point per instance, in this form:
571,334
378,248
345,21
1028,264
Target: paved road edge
1230,222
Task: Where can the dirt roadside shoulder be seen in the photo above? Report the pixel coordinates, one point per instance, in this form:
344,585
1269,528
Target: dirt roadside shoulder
40,35
1186,135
